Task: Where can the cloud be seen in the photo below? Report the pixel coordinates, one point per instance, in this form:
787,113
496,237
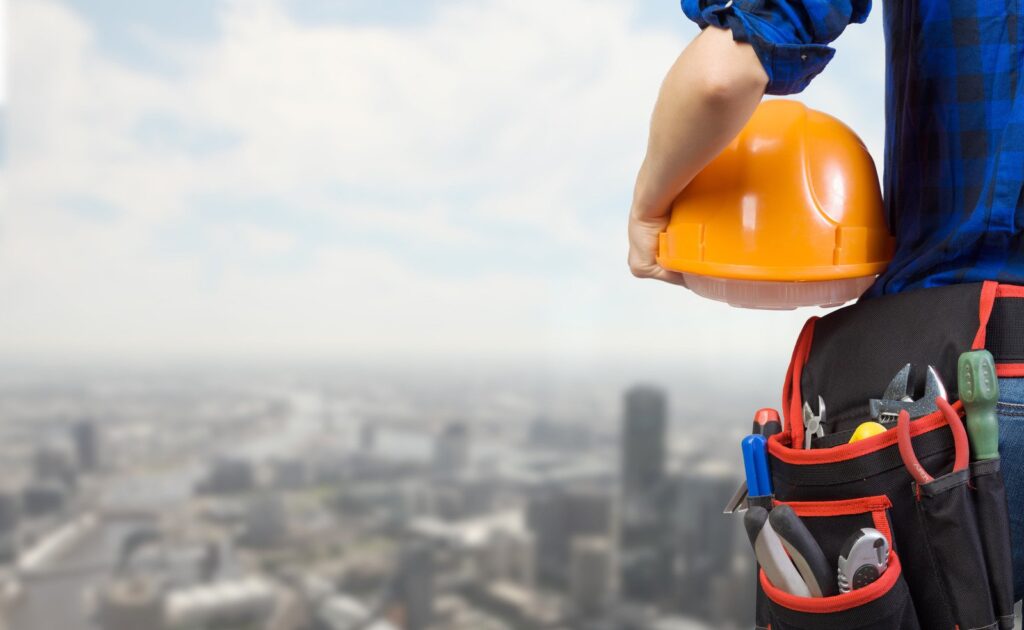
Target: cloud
3,53
453,185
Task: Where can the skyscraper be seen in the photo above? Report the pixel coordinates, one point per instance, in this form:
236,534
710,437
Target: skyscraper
643,563
87,445
415,586
644,427
591,576
556,514
509,556
704,542
451,450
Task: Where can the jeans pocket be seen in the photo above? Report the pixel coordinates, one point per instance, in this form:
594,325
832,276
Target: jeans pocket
1010,412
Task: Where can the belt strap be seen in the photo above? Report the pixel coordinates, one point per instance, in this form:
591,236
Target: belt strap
1005,337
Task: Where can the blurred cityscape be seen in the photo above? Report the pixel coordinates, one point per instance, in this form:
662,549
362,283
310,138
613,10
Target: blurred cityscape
269,503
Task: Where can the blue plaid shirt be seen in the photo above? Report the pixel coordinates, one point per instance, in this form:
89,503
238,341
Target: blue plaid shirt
954,141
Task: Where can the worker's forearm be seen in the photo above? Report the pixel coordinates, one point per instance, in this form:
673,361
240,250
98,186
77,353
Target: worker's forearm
709,94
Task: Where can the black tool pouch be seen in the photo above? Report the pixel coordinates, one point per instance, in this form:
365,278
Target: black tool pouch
953,539
885,604
990,506
950,562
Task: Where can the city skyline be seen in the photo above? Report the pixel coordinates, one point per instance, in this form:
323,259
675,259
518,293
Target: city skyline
302,503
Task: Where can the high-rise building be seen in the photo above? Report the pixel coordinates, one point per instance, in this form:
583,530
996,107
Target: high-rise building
44,497
509,556
86,437
266,521
592,569
644,428
644,564
53,464
415,586
10,517
557,514
451,450
704,541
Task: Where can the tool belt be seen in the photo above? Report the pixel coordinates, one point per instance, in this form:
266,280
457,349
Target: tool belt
950,564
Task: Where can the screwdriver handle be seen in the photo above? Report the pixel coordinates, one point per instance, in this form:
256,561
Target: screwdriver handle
979,392
766,422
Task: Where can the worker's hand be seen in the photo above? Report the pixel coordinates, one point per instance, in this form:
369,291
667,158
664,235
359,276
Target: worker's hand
644,229
709,94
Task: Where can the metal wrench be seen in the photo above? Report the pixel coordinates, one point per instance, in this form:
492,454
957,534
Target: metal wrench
897,397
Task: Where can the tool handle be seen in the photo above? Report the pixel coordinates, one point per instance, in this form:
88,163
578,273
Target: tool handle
956,425
771,554
906,447
979,392
767,422
807,555
755,462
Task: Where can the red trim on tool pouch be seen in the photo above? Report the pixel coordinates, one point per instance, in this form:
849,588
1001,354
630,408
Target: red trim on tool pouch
780,449
989,290
882,525
1010,291
1010,369
845,507
791,399
876,506
836,603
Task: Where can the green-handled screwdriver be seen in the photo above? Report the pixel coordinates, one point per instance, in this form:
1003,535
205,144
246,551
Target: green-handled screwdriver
979,391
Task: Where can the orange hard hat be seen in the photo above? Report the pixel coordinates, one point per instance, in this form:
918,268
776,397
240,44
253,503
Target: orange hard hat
789,214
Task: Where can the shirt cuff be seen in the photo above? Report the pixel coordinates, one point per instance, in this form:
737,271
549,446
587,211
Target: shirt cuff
789,66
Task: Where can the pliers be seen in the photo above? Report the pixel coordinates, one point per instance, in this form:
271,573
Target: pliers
960,443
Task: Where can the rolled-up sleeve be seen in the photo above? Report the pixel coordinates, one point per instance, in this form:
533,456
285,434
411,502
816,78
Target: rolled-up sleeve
790,37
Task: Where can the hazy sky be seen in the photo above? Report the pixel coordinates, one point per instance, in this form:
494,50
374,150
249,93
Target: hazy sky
3,54
264,178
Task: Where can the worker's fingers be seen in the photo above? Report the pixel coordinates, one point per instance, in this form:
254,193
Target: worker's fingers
643,250
669,277
657,272
648,267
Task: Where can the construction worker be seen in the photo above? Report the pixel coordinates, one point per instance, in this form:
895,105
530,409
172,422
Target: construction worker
954,147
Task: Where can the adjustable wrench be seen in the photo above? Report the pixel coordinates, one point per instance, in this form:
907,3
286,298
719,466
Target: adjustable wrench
897,397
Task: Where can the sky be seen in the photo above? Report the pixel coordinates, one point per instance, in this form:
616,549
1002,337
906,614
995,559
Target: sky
3,79
404,181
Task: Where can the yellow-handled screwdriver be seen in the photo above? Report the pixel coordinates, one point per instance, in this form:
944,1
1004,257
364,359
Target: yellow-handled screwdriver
866,430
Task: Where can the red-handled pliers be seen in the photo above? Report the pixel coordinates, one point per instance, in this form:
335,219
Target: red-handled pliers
960,445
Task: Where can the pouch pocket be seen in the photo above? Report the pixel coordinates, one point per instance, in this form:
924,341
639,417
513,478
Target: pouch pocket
831,523
885,604
882,605
947,513
994,528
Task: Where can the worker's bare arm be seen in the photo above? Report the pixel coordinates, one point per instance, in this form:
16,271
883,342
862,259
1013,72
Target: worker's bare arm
708,95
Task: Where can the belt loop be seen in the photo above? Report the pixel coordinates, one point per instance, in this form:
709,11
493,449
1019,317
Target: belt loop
988,298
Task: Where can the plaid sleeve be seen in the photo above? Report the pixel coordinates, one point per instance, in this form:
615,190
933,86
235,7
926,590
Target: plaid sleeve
789,36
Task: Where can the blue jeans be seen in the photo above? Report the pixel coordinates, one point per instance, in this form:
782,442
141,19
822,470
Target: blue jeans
1011,450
